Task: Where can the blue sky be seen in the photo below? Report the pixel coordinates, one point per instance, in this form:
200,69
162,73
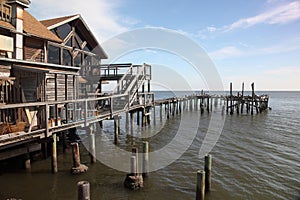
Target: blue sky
249,41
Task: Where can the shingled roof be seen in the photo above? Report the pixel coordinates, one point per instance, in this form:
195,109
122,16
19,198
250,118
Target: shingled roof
55,21
6,25
33,27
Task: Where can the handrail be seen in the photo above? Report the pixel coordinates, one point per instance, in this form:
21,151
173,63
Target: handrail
118,88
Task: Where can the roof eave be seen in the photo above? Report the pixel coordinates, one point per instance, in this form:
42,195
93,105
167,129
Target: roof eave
63,22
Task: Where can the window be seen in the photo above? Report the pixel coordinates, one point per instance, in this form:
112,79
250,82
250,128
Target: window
78,60
53,54
64,30
5,12
67,58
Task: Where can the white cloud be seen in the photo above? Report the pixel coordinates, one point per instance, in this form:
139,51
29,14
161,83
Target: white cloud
245,50
226,52
100,16
288,70
279,15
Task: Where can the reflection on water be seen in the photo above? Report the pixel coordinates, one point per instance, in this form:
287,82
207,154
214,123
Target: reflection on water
256,157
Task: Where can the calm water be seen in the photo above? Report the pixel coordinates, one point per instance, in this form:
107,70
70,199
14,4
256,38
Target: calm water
256,157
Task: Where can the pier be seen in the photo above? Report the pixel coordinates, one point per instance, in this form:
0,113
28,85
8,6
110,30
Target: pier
53,83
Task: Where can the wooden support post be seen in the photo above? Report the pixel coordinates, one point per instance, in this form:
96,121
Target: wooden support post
135,153
132,121
154,114
116,128
133,165
54,154
83,190
160,112
126,121
227,106
231,100
76,155
207,106
238,104
27,162
145,158
207,169
242,97
168,111
92,145
200,191
252,100
174,107
138,118
211,103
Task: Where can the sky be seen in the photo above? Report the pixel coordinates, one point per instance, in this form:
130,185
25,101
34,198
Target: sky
247,41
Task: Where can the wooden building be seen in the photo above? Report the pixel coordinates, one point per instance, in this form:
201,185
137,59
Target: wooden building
48,69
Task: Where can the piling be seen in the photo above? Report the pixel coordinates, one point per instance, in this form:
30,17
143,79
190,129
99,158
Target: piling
116,129
145,159
76,155
207,107
77,166
133,165
252,100
231,100
138,118
83,190
207,169
92,145
54,154
160,112
200,190
27,162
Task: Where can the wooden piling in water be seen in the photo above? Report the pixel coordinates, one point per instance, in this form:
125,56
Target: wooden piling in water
27,162
145,158
252,100
207,169
242,97
160,112
133,165
200,186
231,100
54,154
92,145
116,128
83,190
76,154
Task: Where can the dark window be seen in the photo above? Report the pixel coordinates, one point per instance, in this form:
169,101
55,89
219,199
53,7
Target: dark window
67,59
64,30
78,60
53,54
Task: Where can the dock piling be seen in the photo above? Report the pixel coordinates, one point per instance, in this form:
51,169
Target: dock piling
145,158
83,190
207,169
200,190
54,154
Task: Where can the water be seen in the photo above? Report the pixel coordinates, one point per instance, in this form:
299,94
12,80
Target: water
256,157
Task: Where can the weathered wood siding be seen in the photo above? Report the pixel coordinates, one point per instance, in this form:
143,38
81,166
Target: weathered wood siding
34,50
61,87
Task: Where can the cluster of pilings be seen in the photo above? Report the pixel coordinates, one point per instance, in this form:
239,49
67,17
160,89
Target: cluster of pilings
77,167
249,102
204,179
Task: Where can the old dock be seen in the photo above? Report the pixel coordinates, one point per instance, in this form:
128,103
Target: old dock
51,82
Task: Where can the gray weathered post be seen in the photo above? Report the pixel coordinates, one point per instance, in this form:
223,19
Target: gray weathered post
83,190
92,145
200,190
116,128
207,169
145,158
76,155
54,154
